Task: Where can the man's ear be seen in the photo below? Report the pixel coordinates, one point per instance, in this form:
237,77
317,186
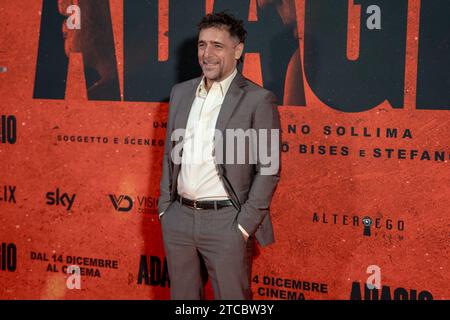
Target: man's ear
238,51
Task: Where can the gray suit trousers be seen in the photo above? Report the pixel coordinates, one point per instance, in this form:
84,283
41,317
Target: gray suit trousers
195,239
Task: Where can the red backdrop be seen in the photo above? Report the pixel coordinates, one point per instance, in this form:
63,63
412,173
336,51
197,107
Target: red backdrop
110,180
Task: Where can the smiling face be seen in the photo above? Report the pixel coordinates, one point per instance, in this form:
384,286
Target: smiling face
218,53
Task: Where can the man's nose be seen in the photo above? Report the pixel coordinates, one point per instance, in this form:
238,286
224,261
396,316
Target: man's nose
207,52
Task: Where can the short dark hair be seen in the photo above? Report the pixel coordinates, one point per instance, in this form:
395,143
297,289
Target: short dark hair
223,19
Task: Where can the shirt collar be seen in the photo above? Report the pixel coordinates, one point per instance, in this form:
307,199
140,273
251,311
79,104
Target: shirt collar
223,85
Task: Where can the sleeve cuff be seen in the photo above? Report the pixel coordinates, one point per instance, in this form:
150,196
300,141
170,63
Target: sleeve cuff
243,230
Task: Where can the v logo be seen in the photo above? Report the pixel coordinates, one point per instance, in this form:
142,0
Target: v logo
117,201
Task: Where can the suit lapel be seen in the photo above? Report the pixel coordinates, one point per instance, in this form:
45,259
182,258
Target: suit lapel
230,102
180,122
187,100
229,105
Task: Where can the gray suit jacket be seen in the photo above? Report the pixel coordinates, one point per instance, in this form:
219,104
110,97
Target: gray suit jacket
246,105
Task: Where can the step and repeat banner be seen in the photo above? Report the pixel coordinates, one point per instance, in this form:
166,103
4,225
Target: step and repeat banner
362,207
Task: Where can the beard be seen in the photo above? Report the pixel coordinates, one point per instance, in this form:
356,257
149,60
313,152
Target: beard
212,71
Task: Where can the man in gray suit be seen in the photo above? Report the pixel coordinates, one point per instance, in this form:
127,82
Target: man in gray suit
212,207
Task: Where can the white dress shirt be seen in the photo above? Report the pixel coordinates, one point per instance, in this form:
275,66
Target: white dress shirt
198,178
